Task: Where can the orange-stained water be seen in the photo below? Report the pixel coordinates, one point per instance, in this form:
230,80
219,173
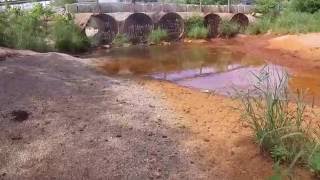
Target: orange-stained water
203,67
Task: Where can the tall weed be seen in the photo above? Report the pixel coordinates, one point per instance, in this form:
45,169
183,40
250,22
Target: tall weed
279,125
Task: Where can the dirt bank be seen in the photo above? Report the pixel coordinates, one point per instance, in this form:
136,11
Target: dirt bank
60,119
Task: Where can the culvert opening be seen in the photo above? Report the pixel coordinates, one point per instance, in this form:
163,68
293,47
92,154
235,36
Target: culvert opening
241,19
173,24
101,29
137,27
19,115
212,22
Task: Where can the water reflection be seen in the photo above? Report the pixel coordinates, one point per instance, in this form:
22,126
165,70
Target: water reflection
199,66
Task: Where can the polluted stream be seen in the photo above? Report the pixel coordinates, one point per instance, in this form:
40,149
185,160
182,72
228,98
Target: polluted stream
201,66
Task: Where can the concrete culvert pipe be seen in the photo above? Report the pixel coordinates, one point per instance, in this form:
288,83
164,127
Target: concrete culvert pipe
137,27
212,22
101,29
241,19
173,24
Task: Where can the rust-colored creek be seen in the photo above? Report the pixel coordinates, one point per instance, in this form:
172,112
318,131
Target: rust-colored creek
201,66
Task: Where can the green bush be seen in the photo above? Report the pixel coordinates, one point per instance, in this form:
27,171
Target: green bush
62,3
198,32
194,21
195,28
262,25
25,29
310,6
296,22
268,6
158,35
31,30
67,36
288,22
120,40
228,29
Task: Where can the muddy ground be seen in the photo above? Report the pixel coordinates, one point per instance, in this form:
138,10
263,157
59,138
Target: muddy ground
60,118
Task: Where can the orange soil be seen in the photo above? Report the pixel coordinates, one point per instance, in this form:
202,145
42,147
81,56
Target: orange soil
223,142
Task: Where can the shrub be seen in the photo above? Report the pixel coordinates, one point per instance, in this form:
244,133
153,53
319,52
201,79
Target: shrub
310,6
25,29
194,21
62,3
296,22
120,40
198,32
67,36
262,25
268,6
158,35
228,29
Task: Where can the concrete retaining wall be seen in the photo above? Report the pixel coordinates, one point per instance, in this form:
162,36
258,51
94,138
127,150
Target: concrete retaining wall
154,7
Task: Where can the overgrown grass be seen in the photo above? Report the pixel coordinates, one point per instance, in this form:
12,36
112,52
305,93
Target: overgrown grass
41,30
157,35
25,29
198,32
280,127
120,40
195,28
62,3
287,22
228,28
67,36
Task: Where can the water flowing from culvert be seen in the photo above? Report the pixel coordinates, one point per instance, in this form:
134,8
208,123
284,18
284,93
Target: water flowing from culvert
200,66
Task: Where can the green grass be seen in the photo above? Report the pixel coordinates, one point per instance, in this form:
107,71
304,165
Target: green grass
157,35
280,128
228,29
194,21
195,28
62,3
296,22
67,36
261,26
120,40
198,32
39,29
288,22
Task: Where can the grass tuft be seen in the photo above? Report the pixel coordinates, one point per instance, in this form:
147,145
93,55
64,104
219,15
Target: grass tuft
198,32
279,126
157,35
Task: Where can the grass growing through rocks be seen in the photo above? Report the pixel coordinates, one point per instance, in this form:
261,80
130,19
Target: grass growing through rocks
157,35
279,125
